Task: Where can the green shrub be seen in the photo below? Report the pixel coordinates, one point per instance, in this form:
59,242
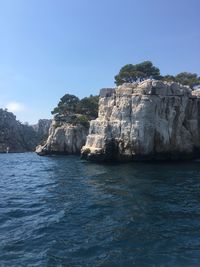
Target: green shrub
70,104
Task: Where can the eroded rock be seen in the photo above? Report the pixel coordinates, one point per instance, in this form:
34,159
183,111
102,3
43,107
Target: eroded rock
64,138
145,121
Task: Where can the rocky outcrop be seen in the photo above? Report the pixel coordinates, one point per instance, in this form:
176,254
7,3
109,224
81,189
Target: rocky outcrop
42,129
151,120
64,137
15,136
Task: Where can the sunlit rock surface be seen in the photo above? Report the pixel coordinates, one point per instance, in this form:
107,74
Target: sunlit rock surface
151,120
64,138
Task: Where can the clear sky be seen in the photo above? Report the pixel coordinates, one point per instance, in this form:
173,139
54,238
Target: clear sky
52,47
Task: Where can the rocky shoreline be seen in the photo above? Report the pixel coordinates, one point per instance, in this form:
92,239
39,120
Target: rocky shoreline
141,121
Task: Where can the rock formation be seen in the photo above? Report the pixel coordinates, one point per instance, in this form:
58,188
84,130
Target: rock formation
145,121
15,136
64,137
42,129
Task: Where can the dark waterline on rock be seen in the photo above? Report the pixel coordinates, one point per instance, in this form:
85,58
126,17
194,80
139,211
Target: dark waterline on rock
61,211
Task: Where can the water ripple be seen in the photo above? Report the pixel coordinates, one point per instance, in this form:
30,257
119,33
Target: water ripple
60,211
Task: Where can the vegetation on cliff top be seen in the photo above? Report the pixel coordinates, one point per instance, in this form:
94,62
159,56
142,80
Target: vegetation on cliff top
185,78
84,109
132,73
146,70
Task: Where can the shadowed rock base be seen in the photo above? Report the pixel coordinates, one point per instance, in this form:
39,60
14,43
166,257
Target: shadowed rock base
113,155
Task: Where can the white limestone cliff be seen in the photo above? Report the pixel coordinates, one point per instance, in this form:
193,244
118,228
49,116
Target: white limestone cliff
64,138
144,121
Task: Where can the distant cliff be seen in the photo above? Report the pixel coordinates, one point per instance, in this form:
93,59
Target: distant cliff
15,136
42,129
151,120
67,135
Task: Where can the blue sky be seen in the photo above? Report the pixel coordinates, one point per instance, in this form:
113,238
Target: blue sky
52,47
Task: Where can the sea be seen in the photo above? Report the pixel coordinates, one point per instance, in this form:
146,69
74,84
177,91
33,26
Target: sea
62,211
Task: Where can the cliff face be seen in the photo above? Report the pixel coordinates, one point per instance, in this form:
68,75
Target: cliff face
42,128
147,120
14,136
64,137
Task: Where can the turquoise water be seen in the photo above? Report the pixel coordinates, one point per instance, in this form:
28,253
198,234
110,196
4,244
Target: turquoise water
61,211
